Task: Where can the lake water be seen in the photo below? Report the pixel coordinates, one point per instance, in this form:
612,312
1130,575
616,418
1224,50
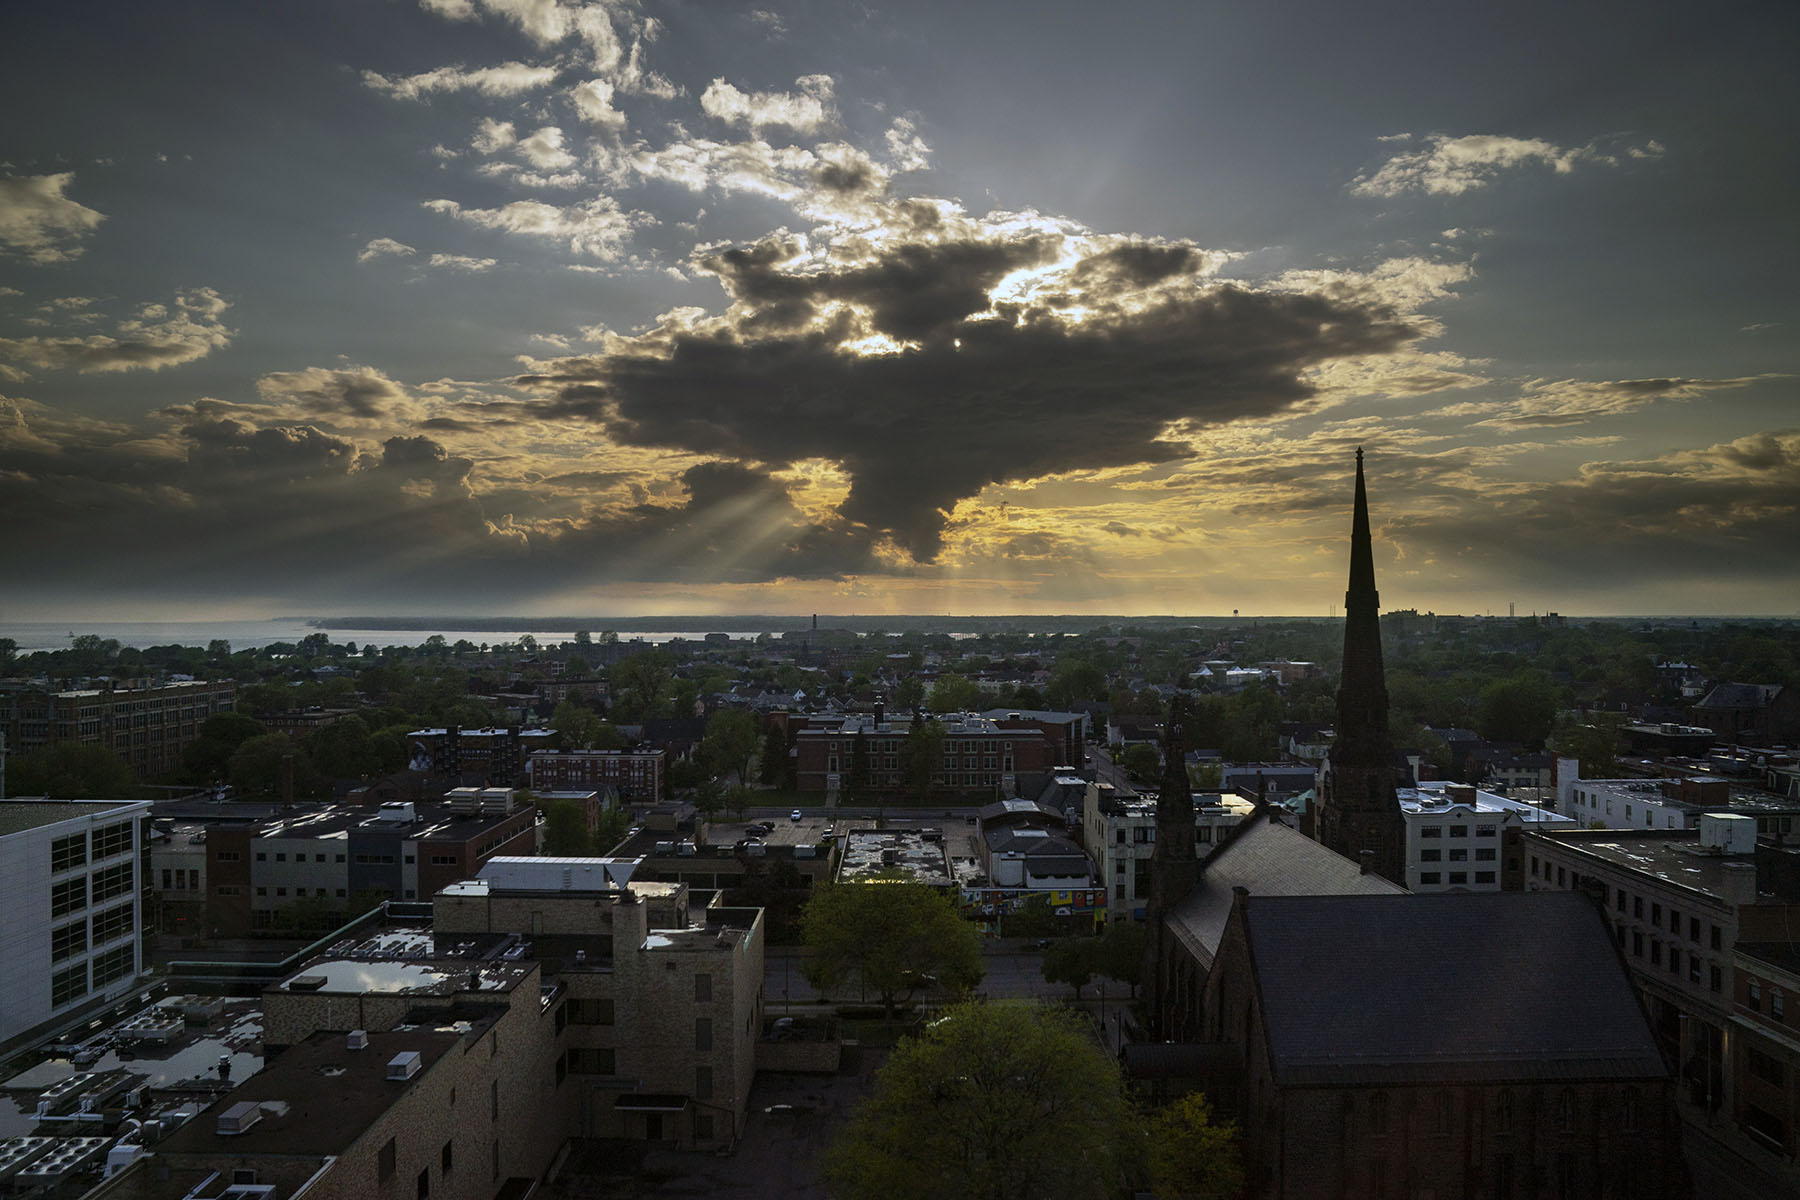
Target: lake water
245,635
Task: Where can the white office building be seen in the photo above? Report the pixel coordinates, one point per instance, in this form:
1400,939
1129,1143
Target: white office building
71,922
1461,839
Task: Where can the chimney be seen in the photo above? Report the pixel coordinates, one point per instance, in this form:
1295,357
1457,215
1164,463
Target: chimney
880,713
1368,861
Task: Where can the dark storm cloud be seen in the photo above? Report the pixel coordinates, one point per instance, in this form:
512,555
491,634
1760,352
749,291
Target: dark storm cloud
1088,365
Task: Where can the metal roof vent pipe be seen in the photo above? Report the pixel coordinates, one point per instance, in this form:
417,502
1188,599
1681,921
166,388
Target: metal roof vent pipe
1367,858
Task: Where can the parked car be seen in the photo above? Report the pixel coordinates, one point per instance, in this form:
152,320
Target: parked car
795,815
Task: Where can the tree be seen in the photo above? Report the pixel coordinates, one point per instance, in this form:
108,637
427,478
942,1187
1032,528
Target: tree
206,757
579,727
642,683
1071,961
258,766
730,742
953,693
993,1102
909,692
1191,1156
1075,682
70,771
773,760
889,937
1141,761
565,827
859,768
1593,740
922,755
342,748
1121,954
1520,709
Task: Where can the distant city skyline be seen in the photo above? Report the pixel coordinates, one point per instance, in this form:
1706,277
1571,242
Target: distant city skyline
558,306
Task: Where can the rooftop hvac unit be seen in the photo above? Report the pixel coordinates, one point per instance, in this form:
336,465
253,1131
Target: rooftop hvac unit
1728,833
248,1191
356,1039
239,1118
404,1065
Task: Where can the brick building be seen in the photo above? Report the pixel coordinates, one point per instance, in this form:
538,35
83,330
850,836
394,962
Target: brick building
496,756
1765,1028
326,862
1376,1048
636,775
148,726
981,756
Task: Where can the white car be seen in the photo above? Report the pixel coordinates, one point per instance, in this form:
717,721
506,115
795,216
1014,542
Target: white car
795,815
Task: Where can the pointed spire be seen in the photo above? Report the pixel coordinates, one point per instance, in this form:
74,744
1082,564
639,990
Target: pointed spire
1362,554
1362,695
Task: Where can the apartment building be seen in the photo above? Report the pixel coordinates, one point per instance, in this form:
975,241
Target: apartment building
72,873
1459,838
495,756
636,775
981,755
147,724
1119,833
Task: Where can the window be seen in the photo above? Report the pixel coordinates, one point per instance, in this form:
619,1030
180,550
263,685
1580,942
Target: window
1485,854
1459,877
1693,929
67,896
115,964
68,941
1655,952
1431,877
1764,1067
281,891
262,891
1459,855
1621,899
1442,1114
228,856
1484,877
384,1162
1562,878
1753,996
1637,910
1566,1111
67,853
318,858
1461,831
1431,831
1486,831
703,1083
702,1033
1715,937
1637,943
1675,922
424,1183
1715,979
591,1012
1777,1005
280,856
1674,960
113,923
1693,967
494,1100
446,1157
113,881
68,984
443,860
1430,855
1121,838
113,839
262,856
703,1127
591,1061
1656,915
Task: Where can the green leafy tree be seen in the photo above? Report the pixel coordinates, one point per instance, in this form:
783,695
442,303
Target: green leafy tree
207,757
578,726
615,827
730,742
1121,954
1520,709
1141,761
921,756
1071,961
1075,682
859,768
644,685
953,693
772,762
257,767
1593,739
993,1102
891,938
1194,1156
909,693
566,832
342,749
70,771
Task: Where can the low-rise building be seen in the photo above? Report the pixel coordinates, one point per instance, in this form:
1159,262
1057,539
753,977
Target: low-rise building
1459,838
1119,833
147,724
981,755
496,756
1765,1041
636,775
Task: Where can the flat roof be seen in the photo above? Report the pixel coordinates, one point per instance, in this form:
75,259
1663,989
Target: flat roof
865,856
18,816
1435,801
1670,855
317,1098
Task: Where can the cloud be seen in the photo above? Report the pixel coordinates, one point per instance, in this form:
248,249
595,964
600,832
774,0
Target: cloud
594,101
933,355
41,223
156,336
462,262
333,397
544,149
1451,166
492,135
803,111
507,79
1552,403
596,228
384,247
906,149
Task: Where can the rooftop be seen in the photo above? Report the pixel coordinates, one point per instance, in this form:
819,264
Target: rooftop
18,816
1673,855
401,961
869,853
1433,799
1372,989
317,1098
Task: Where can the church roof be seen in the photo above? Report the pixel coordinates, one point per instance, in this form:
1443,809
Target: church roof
1471,987
1270,859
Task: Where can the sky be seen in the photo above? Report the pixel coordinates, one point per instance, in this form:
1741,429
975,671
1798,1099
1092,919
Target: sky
615,308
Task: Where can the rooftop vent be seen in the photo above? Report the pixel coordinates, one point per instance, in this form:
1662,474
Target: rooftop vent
405,1065
356,1039
239,1118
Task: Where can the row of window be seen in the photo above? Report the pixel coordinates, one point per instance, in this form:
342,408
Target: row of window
1753,1000
1458,831
1484,854
71,851
66,941
1456,877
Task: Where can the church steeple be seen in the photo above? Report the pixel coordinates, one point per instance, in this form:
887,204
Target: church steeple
1359,809
1174,872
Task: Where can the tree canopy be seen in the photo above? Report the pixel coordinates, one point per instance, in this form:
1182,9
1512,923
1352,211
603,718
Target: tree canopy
1192,1156
729,744
921,756
992,1102
70,771
889,937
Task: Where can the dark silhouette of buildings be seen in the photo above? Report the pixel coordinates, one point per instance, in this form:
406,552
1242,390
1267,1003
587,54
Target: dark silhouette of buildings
1359,810
1174,870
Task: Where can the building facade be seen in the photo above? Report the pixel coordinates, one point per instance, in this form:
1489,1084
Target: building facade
72,873
1461,839
148,725
1119,832
636,775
